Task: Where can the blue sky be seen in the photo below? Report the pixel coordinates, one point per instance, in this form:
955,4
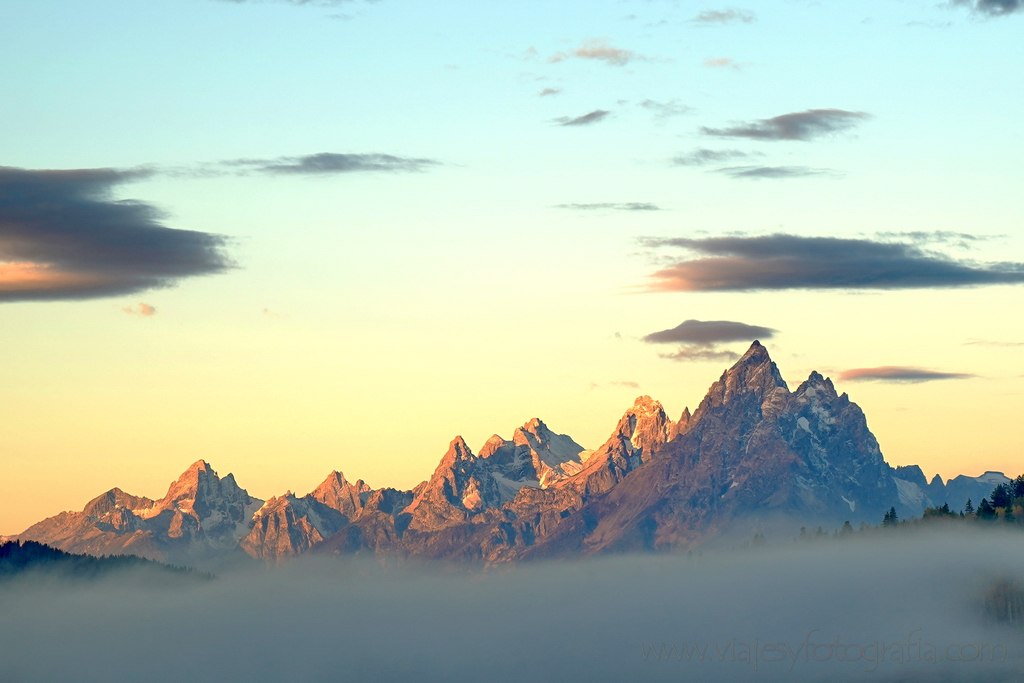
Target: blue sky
411,220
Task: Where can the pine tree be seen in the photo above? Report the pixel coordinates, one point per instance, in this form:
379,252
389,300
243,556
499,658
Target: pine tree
985,510
969,508
1001,496
890,518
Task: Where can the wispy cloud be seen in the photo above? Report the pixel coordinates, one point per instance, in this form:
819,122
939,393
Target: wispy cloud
63,237
995,344
721,63
775,172
141,309
585,120
994,8
724,16
327,163
702,157
665,110
548,92
780,261
901,374
803,125
611,206
598,49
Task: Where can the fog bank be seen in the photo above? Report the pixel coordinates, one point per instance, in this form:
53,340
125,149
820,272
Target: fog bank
907,607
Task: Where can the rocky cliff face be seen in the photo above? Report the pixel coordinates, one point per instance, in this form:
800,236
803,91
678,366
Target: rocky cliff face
753,451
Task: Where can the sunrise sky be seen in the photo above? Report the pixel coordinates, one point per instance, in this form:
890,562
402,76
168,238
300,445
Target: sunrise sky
292,237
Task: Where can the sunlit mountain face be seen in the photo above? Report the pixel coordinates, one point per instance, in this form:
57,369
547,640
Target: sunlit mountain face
754,456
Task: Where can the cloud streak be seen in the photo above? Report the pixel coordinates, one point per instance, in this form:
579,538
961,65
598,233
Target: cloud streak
587,119
703,156
802,125
901,374
329,163
774,172
780,261
63,237
611,206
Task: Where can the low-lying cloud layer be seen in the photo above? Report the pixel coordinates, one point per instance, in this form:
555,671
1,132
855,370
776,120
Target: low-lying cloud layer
901,374
63,237
780,261
803,125
878,608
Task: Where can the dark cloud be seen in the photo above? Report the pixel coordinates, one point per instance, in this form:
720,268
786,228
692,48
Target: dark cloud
326,163
584,120
597,49
611,206
774,172
702,157
547,92
708,332
726,16
900,374
63,237
995,8
779,261
803,125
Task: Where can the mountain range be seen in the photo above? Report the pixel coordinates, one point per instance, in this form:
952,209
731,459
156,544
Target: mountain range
753,455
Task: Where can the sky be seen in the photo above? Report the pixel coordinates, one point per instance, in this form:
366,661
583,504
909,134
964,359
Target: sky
293,237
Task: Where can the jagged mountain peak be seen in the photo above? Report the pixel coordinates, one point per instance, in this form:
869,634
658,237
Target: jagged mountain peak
113,499
534,425
492,446
458,449
817,386
190,482
753,375
334,481
338,493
